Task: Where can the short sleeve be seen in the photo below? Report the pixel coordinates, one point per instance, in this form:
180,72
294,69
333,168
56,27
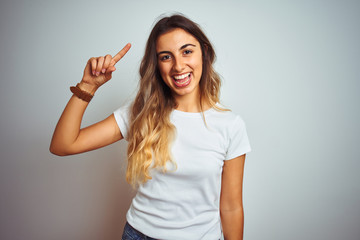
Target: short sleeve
238,140
122,117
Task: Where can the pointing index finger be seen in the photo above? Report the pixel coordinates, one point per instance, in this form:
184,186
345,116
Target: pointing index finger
120,54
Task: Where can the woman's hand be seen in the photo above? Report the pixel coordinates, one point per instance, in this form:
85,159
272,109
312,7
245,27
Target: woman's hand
99,70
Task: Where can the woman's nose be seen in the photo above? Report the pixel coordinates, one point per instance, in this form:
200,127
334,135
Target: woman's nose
179,65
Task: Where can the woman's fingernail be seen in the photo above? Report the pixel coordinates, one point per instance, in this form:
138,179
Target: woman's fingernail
93,72
97,73
103,70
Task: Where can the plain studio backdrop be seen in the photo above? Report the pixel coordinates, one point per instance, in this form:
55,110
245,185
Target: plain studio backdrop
291,69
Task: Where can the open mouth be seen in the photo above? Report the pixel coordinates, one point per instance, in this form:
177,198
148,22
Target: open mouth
182,80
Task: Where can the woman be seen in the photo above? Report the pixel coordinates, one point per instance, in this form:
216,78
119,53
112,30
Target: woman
185,154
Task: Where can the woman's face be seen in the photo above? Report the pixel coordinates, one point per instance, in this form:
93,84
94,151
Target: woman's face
180,62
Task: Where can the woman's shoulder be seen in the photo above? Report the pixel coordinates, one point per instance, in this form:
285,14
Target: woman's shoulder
226,122
124,109
122,118
225,114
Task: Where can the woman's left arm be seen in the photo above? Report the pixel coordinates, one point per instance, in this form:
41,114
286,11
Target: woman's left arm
231,207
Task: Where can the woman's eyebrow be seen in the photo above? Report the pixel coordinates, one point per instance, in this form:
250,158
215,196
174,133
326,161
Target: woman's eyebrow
186,45
182,47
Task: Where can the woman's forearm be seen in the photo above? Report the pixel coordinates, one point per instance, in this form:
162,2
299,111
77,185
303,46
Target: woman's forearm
68,127
232,224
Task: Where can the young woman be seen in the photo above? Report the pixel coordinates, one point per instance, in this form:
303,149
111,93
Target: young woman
185,154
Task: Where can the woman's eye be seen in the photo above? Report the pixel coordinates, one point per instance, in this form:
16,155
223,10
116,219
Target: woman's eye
187,52
165,57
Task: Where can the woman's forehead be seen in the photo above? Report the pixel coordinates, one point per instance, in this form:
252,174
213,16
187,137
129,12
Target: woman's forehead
174,40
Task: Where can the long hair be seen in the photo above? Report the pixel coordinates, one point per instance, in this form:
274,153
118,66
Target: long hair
151,132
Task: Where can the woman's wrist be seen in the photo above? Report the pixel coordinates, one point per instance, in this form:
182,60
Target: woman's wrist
86,87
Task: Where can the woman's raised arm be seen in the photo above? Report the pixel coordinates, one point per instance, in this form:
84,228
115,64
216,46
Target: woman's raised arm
68,138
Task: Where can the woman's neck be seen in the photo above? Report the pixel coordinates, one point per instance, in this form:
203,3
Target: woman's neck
190,104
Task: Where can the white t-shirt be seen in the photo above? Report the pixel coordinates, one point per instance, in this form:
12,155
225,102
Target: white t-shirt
184,204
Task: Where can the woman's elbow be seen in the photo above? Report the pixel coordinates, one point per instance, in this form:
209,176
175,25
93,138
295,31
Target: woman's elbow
232,209
57,150
231,206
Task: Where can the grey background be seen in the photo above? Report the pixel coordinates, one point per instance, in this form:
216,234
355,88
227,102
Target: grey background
290,69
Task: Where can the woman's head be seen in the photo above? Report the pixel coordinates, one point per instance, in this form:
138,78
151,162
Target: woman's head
179,59
149,68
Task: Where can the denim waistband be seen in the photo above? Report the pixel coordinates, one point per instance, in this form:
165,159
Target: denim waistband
131,233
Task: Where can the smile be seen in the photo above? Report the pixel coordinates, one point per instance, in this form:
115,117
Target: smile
182,80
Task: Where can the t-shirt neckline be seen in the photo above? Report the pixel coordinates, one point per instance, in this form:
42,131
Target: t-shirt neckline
193,114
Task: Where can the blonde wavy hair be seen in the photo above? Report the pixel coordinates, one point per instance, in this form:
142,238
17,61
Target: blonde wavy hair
151,132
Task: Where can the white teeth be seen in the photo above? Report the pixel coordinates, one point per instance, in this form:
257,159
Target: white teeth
180,77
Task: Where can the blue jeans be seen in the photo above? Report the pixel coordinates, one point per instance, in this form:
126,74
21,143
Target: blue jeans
131,233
